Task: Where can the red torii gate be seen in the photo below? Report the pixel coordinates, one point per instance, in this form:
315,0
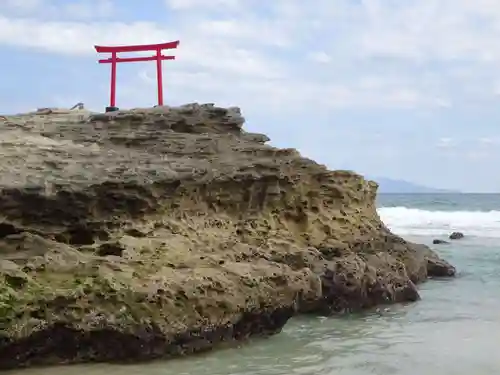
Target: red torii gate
114,50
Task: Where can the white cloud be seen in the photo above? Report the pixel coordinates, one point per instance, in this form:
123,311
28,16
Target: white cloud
76,37
234,30
446,143
428,30
23,6
202,4
319,57
477,155
489,141
76,9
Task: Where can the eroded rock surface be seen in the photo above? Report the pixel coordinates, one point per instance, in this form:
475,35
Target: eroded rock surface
161,232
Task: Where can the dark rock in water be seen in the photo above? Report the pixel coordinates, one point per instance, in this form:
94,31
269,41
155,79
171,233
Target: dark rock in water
456,236
436,267
440,242
162,232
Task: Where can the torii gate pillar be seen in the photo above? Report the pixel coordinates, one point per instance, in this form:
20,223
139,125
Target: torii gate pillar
114,59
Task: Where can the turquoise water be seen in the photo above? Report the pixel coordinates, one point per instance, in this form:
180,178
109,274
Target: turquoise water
454,329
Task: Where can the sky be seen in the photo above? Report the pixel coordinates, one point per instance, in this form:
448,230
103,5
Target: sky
405,89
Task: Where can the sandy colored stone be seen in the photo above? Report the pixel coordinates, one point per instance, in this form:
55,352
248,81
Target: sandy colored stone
159,232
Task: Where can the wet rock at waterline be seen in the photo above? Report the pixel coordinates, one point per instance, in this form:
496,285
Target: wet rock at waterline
439,242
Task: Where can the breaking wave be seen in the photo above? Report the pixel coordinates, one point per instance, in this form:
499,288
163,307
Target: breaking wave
414,221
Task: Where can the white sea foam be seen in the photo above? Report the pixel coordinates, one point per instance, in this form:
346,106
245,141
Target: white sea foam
413,221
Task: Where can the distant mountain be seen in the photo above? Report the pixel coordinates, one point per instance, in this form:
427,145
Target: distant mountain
387,185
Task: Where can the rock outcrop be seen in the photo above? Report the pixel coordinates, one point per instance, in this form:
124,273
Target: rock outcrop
162,232
440,242
456,236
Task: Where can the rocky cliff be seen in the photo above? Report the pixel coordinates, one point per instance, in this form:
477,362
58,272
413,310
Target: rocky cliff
166,231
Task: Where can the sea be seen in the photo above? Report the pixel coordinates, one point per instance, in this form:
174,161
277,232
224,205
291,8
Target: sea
453,330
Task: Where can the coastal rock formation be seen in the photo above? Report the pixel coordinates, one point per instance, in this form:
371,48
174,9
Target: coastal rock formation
160,232
440,242
456,236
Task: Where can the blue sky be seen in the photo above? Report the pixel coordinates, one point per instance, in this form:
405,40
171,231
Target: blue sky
402,89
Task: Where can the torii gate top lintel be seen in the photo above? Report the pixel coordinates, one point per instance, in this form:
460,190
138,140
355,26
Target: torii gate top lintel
137,47
114,59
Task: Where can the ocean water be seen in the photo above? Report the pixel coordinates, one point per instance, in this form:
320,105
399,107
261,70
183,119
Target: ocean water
453,330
